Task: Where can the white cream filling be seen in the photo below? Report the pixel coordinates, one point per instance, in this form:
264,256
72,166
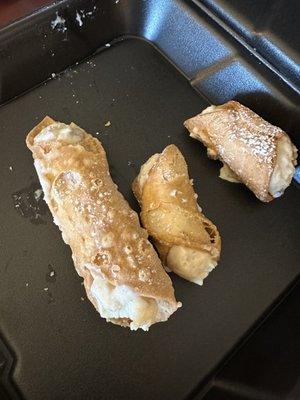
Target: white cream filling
193,265
209,109
121,301
145,169
228,175
61,132
284,168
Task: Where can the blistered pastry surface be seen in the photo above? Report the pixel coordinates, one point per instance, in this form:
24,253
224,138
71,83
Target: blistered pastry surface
95,219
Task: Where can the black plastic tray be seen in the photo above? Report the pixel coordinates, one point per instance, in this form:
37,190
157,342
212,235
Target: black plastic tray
267,367
145,66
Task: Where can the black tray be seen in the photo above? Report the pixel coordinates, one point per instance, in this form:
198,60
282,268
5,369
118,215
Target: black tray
267,367
145,66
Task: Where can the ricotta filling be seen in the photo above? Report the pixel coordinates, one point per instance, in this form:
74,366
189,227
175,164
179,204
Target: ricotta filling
190,264
284,168
118,302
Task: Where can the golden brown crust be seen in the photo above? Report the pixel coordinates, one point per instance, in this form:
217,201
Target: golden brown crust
170,212
241,139
95,219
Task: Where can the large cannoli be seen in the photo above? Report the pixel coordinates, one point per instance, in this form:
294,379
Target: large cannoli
123,275
252,150
189,244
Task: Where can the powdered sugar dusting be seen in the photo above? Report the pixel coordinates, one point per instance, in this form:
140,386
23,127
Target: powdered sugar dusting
258,135
79,19
144,275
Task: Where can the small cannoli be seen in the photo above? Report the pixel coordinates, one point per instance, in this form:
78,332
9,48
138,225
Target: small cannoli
252,150
189,244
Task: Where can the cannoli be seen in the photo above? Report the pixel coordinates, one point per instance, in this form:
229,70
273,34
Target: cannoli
123,276
252,150
188,243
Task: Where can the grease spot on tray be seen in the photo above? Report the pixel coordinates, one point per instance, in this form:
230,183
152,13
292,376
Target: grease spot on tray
28,202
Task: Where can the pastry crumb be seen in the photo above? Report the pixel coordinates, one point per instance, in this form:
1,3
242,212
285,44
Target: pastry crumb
37,194
79,19
59,24
108,123
46,289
